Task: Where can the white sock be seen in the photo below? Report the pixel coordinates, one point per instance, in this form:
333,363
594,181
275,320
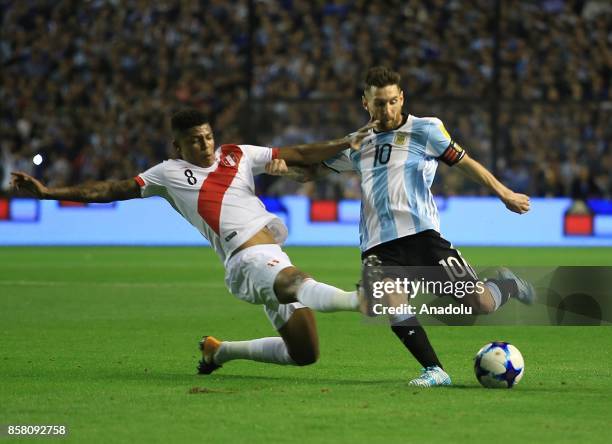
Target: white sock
272,350
495,293
325,298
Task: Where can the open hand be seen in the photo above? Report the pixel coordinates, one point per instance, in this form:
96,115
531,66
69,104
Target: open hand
22,182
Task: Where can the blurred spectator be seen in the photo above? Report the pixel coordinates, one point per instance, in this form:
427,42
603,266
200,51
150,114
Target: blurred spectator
90,85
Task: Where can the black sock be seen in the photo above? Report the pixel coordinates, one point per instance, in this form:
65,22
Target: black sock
507,288
415,339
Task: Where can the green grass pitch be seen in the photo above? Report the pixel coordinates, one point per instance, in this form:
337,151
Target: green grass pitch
104,341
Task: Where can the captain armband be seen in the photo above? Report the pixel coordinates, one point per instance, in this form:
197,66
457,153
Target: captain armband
453,154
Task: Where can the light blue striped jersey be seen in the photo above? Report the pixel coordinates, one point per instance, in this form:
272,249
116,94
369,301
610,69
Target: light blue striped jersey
397,169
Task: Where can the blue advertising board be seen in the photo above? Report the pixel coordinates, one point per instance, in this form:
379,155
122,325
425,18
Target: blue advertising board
478,221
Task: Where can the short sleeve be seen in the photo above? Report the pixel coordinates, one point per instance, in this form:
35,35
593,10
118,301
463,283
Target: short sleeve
340,162
441,146
259,156
152,181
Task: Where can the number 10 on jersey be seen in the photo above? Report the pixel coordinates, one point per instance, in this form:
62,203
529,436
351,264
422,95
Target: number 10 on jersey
382,153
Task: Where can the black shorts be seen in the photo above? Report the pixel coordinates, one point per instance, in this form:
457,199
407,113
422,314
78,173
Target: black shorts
424,255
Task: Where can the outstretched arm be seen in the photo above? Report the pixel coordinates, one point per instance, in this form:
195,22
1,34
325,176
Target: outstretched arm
107,191
278,167
516,202
313,153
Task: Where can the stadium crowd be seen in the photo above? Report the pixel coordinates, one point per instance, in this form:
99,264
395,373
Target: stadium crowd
90,85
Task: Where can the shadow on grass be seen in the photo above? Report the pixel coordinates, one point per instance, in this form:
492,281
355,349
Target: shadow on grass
253,382
520,388
163,378
306,380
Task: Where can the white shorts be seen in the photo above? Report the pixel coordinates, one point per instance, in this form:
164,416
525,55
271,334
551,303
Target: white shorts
250,275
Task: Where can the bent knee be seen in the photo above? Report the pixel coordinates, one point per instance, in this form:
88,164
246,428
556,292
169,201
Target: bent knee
306,358
479,305
483,309
287,283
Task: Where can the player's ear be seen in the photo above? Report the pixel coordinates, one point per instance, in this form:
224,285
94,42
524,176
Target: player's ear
364,102
177,148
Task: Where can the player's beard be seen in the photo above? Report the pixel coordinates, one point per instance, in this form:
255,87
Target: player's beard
386,125
390,124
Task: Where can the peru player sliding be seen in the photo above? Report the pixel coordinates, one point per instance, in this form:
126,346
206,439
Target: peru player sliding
214,190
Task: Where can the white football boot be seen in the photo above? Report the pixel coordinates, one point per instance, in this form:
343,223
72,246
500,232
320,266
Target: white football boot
431,377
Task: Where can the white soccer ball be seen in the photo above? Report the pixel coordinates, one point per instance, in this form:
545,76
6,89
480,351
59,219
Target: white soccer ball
499,365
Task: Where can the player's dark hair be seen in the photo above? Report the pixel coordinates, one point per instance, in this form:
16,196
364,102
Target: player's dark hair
381,76
188,118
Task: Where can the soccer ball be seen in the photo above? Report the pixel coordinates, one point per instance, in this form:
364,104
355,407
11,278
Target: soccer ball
499,365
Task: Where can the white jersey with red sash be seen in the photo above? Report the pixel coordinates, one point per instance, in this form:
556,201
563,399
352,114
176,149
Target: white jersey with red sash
219,201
